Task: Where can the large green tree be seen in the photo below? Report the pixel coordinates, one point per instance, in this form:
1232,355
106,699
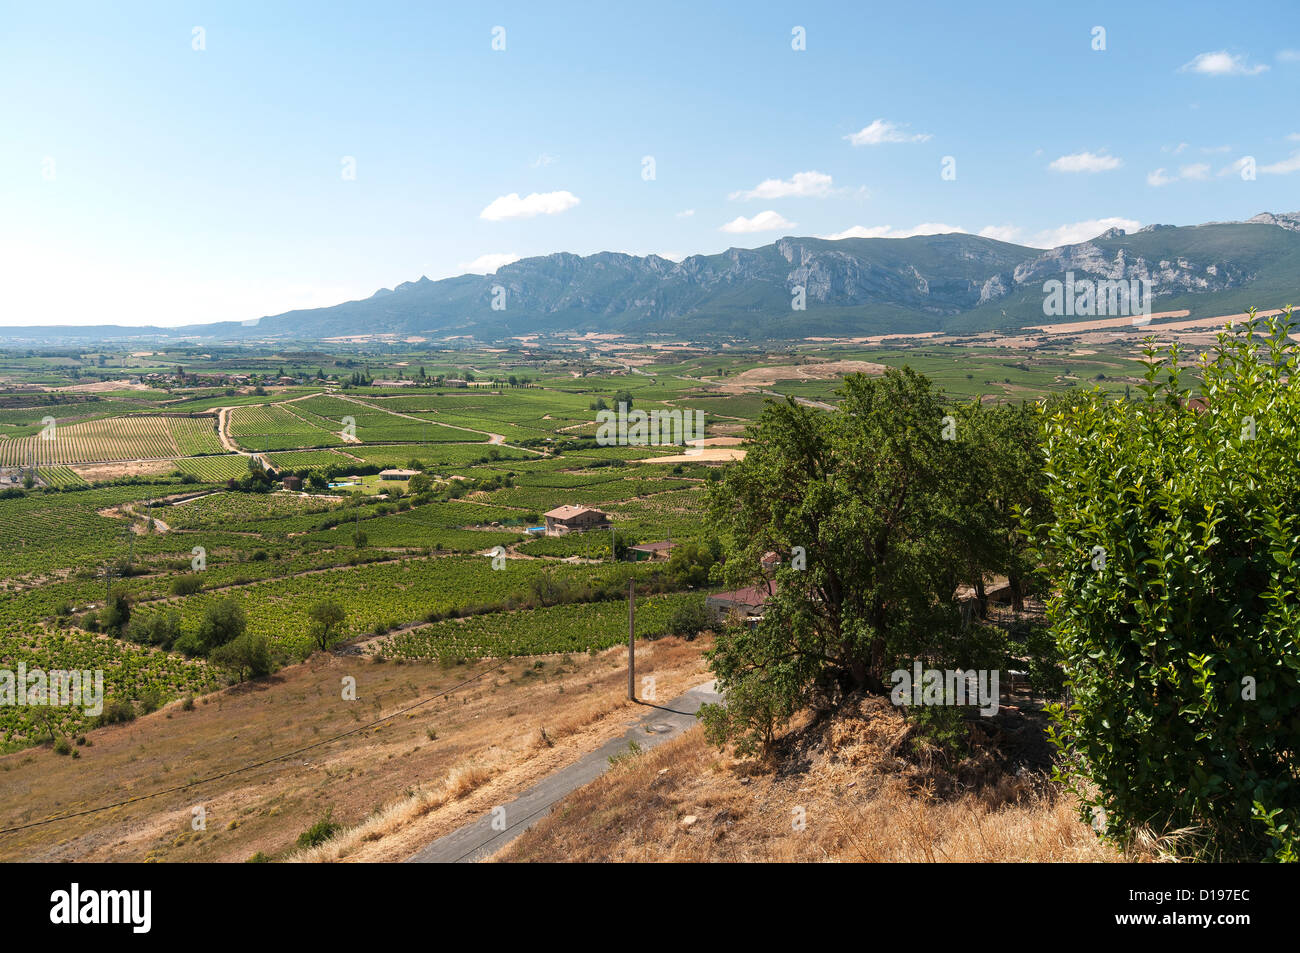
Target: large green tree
866,510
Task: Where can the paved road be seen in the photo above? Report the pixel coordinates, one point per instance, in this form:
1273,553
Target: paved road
477,840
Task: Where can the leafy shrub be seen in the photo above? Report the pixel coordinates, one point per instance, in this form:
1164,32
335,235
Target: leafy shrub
943,726
319,832
116,711
1171,544
223,622
161,629
186,585
247,655
689,619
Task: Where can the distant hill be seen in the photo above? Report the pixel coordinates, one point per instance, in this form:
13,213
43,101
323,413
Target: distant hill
853,286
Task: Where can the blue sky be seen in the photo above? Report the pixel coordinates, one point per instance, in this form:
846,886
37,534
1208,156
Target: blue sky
145,181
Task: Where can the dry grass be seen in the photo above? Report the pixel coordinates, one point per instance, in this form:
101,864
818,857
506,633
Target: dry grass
394,788
851,789
396,817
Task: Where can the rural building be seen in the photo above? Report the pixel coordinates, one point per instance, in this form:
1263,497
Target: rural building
397,474
292,482
748,602
574,519
650,551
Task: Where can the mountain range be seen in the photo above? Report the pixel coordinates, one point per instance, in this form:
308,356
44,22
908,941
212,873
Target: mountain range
852,286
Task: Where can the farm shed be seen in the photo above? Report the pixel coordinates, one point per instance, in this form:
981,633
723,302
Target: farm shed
650,551
574,519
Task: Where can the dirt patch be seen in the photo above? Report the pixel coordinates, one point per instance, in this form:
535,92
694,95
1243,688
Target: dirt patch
99,387
703,455
759,377
95,472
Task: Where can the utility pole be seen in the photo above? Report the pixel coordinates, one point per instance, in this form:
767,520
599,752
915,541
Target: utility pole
108,584
631,640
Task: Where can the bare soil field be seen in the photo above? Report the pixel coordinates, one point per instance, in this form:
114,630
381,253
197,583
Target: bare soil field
98,387
95,472
758,377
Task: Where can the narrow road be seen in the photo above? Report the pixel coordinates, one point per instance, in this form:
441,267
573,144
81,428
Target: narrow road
227,441
481,839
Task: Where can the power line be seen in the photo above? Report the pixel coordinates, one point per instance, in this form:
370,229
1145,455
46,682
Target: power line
256,764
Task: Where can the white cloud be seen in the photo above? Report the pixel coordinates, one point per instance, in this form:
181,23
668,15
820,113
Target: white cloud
1001,233
888,231
487,264
1174,149
1085,162
1197,171
536,203
686,213
1288,56
1285,167
1221,63
768,221
1077,232
882,131
1294,137
799,185
543,160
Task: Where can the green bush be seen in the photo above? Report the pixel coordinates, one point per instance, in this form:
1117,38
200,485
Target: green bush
116,711
223,622
319,832
690,618
1173,546
943,726
247,655
186,585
